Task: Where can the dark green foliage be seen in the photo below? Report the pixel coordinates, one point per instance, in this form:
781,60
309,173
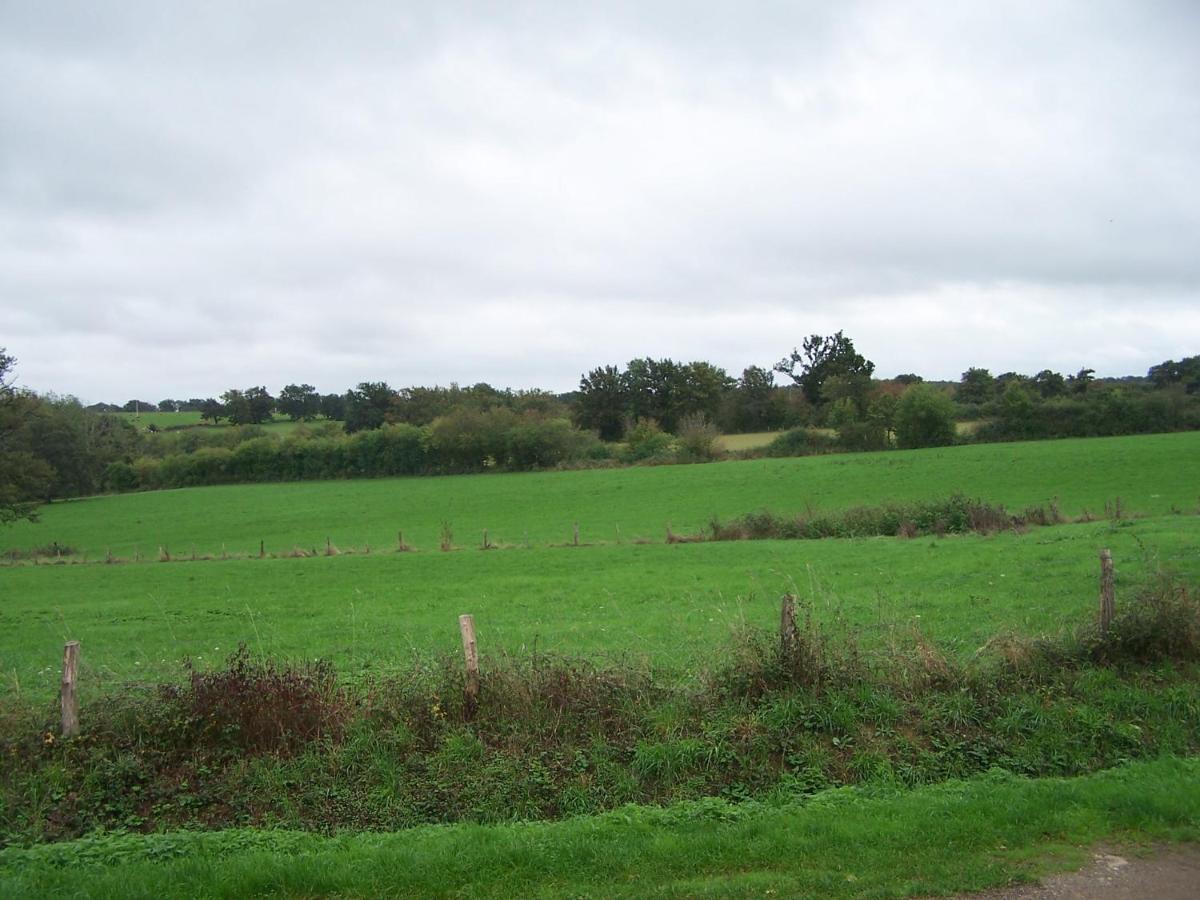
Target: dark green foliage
975,386
955,515
924,418
646,442
822,358
368,406
801,442
252,406
299,402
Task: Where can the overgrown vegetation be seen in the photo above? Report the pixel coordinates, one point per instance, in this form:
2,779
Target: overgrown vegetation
954,515
257,743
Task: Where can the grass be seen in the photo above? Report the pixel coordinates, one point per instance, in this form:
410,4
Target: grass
1152,474
163,420
963,835
669,604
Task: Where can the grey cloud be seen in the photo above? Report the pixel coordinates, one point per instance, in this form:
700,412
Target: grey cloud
193,197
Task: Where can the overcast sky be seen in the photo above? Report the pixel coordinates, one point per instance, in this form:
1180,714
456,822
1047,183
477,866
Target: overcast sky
206,195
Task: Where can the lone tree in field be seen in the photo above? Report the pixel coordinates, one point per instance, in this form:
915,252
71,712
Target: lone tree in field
821,358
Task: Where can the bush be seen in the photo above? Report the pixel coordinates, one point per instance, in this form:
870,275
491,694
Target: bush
646,442
924,418
801,442
697,439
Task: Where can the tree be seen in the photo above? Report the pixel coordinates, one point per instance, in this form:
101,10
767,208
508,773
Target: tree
753,396
1049,384
602,402
299,402
975,386
1186,372
168,406
924,418
211,409
333,407
24,478
252,406
820,359
368,406
1078,383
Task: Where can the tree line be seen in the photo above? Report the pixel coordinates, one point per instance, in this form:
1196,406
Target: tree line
648,411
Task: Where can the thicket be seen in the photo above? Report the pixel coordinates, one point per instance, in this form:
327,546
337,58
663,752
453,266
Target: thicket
258,743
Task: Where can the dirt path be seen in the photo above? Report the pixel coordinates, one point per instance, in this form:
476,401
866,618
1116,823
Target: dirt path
1167,873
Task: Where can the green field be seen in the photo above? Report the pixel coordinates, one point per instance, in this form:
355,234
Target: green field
625,598
163,420
673,605
1153,475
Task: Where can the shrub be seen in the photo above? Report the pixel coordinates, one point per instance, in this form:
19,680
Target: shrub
801,442
646,442
924,418
697,439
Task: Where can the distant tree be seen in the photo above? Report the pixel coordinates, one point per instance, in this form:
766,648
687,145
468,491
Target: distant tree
168,406
1049,384
333,406
975,386
139,406
1078,383
252,406
368,406
924,418
299,402
192,405
753,398
821,358
1185,372
908,378
211,409
24,478
602,402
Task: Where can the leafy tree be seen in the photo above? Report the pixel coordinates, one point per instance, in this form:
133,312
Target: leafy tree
924,418
975,386
1078,383
602,402
369,406
211,409
252,406
299,402
168,406
1049,384
908,378
333,407
753,398
1185,372
821,358
24,478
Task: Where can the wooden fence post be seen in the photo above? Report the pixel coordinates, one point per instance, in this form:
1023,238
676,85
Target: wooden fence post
1107,600
466,624
486,545
70,700
787,625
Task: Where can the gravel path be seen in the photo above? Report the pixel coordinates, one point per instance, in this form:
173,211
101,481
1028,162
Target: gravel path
1167,873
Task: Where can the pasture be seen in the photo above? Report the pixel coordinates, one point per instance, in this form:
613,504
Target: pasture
623,594
622,677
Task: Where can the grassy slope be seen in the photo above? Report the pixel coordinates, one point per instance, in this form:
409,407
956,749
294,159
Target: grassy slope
1151,473
674,604
846,843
